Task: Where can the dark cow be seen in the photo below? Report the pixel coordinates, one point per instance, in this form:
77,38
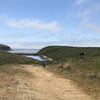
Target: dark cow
44,64
82,54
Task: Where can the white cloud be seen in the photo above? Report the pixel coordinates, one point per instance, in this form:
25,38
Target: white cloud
87,15
32,45
94,28
88,25
78,2
83,14
89,43
53,26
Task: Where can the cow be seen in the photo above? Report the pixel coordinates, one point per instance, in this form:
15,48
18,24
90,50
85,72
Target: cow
82,54
44,64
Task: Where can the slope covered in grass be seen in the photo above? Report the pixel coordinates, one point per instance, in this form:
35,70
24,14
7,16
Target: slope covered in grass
83,70
9,58
4,47
62,53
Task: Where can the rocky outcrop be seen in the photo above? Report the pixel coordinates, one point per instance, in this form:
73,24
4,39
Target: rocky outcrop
4,47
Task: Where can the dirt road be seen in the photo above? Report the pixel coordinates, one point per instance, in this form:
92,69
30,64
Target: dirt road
42,85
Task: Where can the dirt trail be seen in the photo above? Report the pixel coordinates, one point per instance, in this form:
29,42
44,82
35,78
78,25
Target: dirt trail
43,85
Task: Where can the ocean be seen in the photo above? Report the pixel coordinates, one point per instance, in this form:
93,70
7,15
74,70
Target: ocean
28,51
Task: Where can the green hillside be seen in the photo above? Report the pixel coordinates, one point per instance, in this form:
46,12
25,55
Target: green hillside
9,58
4,47
83,70
62,53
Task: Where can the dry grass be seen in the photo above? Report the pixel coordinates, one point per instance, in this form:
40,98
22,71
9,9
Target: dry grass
31,82
11,87
84,72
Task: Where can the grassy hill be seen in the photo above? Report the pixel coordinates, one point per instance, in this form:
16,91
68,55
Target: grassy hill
4,47
83,70
62,53
9,58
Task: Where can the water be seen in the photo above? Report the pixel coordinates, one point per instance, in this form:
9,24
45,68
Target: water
28,51
39,58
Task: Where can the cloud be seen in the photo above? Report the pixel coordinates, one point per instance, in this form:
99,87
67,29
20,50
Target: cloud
88,25
89,43
87,16
94,28
32,45
13,36
53,26
78,2
39,45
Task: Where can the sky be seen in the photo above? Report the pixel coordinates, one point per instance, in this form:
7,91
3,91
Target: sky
38,23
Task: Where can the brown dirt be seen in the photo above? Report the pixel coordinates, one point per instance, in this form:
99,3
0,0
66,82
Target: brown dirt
42,85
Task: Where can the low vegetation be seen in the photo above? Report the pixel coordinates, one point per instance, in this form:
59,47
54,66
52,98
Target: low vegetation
4,47
83,70
9,58
9,73
62,53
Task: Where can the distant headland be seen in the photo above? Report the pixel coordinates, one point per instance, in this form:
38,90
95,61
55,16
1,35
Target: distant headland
4,47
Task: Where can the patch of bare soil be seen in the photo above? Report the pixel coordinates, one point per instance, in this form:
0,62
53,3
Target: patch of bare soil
41,85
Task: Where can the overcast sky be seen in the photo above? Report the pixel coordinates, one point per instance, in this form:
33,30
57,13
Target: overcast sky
39,23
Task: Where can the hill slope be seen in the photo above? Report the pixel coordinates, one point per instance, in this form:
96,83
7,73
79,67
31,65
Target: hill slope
4,47
9,58
62,53
83,70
